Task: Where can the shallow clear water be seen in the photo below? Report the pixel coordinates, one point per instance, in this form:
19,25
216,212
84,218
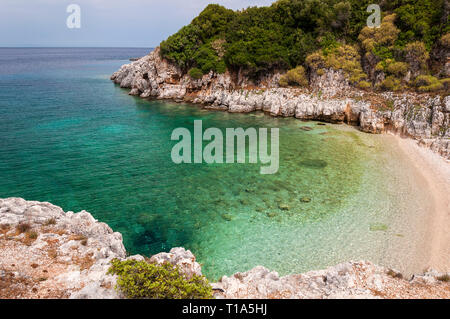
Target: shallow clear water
69,136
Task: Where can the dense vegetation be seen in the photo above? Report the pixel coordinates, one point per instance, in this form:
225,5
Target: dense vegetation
142,280
286,34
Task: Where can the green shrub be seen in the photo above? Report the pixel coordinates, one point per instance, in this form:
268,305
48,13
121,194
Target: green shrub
142,280
391,83
295,76
416,56
422,20
398,69
195,73
384,36
316,60
364,85
342,57
428,83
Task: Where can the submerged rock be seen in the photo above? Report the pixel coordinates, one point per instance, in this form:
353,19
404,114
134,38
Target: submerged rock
312,163
378,227
227,217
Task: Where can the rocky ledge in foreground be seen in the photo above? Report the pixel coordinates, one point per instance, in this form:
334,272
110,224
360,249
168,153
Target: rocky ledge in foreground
330,98
48,253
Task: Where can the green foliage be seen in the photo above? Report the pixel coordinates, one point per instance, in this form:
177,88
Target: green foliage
195,73
182,46
342,57
419,20
142,280
398,69
416,56
259,39
391,83
428,83
384,36
295,76
289,33
364,85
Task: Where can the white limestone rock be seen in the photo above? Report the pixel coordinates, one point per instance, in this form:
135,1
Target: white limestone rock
182,258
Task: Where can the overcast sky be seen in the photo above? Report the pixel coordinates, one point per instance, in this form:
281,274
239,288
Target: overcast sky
104,23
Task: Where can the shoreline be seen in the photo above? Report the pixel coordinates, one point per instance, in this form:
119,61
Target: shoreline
70,255
435,173
423,117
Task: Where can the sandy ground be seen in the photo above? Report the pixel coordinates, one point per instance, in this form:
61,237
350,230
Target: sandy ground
435,171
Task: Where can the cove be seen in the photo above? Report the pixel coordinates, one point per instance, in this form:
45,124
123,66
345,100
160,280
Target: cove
71,137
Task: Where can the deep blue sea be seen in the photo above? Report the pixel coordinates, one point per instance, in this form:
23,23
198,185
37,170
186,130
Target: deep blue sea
69,136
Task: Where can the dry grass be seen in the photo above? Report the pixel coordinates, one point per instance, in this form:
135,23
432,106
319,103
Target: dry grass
85,262
49,222
77,237
30,237
52,253
23,227
444,278
394,274
4,229
12,286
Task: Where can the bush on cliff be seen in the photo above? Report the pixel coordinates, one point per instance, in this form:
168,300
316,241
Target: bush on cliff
342,57
416,56
391,83
397,69
295,76
195,73
428,83
142,280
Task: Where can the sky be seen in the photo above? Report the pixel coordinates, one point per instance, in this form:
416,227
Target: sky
104,23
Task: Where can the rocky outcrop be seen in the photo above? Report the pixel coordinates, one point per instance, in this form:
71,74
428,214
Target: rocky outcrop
60,254
349,280
180,257
425,118
48,253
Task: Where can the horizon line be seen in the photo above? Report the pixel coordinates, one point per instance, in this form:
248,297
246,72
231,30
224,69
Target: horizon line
77,47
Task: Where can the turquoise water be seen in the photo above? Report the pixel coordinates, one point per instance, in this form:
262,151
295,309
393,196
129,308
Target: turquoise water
69,136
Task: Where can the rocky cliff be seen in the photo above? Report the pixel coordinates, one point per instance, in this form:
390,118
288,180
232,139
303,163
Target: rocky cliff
330,98
48,253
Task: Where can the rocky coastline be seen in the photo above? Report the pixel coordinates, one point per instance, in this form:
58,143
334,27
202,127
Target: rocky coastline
330,98
48,253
